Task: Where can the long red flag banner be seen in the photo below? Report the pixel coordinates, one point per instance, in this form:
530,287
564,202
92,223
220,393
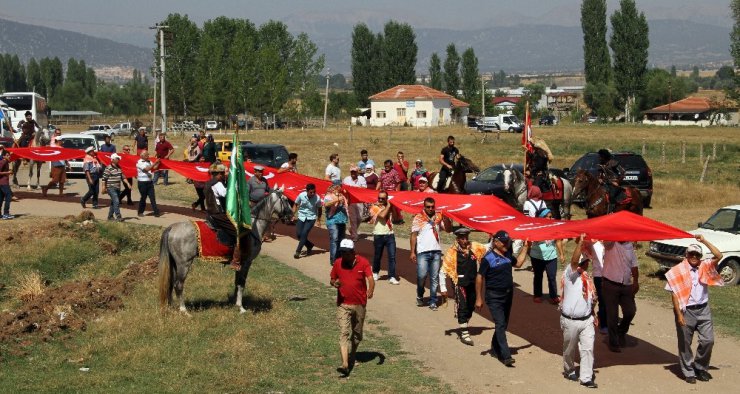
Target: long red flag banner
483,213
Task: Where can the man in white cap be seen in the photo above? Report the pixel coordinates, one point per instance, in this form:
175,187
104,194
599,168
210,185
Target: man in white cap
688,282
354,210
112,180
258,187
424,186
92,168
352,276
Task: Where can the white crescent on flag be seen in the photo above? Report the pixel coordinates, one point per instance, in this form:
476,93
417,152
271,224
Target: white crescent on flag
46,153
201,169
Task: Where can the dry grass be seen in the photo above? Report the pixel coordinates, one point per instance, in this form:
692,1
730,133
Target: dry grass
29,285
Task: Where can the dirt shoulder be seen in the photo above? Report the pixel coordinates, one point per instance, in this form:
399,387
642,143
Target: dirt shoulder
649,362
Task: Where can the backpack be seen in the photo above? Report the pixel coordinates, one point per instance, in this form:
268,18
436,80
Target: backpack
540,209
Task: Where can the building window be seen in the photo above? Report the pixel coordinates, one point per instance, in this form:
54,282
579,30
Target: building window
421,114
400,112
380,114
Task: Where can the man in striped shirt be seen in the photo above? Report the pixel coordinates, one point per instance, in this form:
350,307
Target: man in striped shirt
112,179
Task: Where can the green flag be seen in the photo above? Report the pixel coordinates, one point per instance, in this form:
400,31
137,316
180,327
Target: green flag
237,190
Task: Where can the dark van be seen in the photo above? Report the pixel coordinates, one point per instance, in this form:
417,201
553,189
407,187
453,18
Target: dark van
271,155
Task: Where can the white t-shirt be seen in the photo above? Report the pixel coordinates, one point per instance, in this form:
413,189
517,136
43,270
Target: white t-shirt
619,259
595,252
360,182
426,241
574,305
530,207
143,171
333,172
219,190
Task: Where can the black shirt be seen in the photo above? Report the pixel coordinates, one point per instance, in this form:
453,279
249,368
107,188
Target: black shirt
142,142
466,269
449,154
496,270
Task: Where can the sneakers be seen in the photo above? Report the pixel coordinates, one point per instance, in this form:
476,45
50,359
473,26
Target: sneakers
419,301
394,281
376,276
297,256
555,300
509,362
433,306
590,384
571,376
7,217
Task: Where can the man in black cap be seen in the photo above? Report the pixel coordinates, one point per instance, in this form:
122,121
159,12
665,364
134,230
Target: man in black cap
496,279
460,263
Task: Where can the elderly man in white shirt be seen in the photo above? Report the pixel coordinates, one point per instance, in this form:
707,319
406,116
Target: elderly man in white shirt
144,180
577,318
354,211
620,284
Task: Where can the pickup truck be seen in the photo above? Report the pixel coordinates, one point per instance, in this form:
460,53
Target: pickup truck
722,229
125,128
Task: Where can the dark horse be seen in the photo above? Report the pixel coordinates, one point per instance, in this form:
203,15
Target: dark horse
597,197
463,166
516,187
179,247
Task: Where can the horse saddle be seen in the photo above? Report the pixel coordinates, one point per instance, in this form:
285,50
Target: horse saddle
448,181
212,241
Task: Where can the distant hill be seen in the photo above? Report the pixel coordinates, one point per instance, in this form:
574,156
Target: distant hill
29,41
515,49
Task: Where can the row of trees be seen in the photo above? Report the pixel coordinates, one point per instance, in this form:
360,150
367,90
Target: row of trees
232,66
78,89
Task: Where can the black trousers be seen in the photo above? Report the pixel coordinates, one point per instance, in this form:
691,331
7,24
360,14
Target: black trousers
201,201
146,189
465,302
499,304
444,173
616,296
126,192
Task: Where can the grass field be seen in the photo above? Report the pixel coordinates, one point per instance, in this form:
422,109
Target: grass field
286,343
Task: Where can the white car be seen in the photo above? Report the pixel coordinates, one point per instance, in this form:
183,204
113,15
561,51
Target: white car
77,141
211,125
722,229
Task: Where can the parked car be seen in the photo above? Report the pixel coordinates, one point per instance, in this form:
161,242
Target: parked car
77,141
472,122
548,120
505,122
98,127
211,125
637,172
271,155
125,128
592,119
722,229
99,135
489,181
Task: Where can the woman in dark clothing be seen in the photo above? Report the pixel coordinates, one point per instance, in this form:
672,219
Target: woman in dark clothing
209,150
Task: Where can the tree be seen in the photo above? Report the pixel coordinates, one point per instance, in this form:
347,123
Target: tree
661,88
470,75
673,72
735,47
435,72
602,98
181,53
629,43
363,55
33,76
695,73
304,68
399,54
452,71
499,79
597,66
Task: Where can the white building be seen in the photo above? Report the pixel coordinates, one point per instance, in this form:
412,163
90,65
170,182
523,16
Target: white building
416,106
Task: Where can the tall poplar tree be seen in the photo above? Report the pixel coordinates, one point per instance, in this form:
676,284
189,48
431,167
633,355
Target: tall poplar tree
629,43
399,54
452,71
470,75
597,66
363,57
735,46
435,72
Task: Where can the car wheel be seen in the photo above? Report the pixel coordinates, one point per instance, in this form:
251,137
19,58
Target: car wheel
730,271
511,129
646,201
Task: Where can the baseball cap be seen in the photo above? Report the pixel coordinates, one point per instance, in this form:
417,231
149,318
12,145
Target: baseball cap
423,179
259,168
115,156
89,149
502,236
694,248
347,244
544,212
369,166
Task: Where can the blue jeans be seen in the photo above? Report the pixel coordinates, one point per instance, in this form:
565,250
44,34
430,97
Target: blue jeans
539,267
302,228
6,195
146,189
428,263
115,203
387,241
499,304
336,235
92,191
164,174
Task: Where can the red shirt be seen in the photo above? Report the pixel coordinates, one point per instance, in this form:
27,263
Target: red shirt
353,287
401,173
163,148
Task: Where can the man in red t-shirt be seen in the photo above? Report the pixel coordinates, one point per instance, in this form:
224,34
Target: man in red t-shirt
402,168
163,149
352,276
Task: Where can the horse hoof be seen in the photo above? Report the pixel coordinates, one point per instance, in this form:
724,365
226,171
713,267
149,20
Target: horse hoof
242,311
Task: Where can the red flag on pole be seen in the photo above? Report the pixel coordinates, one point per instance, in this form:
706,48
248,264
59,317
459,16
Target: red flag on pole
527,132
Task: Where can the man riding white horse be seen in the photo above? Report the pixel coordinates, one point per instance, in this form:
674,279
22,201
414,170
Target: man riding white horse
538,164
217,218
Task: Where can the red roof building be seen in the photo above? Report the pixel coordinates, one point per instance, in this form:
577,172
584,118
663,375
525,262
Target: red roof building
415,105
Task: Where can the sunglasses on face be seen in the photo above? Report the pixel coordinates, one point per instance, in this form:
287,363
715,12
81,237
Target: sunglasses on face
382,198
428,206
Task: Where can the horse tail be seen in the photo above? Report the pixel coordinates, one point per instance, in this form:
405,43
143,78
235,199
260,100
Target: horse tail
165,269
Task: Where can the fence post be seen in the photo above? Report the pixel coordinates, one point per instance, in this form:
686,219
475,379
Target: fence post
390,135
701,153
350,133
643,148
429,136
662,153
704,171
714,150
683,152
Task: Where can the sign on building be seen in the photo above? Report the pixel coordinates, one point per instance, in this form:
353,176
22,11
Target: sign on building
410,103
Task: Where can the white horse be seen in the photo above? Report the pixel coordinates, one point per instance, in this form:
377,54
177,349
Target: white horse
515,186
42,138
179,248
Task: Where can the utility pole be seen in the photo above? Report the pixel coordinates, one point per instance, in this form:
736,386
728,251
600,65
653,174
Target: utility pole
483,96
670,98
155,74
160,30
326,98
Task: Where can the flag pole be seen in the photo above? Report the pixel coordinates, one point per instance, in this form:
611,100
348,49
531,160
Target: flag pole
525,136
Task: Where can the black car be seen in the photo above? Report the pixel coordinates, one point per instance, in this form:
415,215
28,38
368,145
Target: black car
548,120
489,181
637,172
271,155
472,122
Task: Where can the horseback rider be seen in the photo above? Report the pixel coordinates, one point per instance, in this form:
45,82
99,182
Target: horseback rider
611,174
215,193
538,161
447,159
28,130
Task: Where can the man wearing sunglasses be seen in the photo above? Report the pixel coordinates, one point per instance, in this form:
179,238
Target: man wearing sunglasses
383,237
426,251
688,283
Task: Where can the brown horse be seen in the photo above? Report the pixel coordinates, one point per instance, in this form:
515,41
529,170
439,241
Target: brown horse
463,166
597,197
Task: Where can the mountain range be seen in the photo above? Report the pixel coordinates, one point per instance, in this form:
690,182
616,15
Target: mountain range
516,49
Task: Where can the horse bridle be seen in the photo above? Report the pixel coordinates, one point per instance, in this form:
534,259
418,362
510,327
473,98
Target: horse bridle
588,195
268,216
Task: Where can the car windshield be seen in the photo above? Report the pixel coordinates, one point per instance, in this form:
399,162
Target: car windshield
727,220
77,143
259,155
19,103
586,162
630,162
493,174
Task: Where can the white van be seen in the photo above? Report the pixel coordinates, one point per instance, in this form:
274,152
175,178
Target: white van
20,102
